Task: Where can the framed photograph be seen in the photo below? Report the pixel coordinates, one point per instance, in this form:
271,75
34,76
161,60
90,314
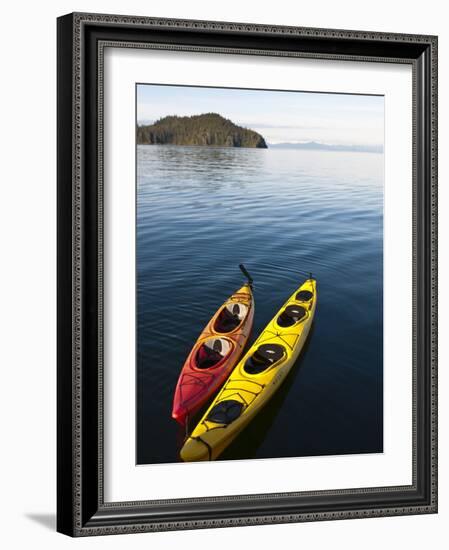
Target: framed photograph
247,284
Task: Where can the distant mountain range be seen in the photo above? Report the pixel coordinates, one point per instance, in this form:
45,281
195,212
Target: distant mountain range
207,129
313,145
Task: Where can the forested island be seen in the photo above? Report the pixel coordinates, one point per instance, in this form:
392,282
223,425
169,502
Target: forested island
207,129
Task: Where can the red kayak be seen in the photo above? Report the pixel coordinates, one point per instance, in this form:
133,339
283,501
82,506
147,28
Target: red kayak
215,354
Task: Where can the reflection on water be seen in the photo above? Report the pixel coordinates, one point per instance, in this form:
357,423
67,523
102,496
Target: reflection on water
202,211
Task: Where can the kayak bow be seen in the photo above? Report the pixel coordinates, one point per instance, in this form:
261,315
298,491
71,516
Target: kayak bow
256,377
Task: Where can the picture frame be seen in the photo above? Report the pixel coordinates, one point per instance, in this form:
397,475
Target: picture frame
81,507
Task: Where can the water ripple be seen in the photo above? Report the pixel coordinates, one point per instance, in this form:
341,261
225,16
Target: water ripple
201,212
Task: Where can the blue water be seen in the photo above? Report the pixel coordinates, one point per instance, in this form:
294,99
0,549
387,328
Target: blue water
283,213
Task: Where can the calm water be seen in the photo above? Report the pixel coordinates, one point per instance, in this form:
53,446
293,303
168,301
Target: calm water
283,213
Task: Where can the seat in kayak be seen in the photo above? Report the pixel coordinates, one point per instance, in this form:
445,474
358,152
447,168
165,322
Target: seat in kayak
212,352
225,412
230,317
304,296
264,356
291,315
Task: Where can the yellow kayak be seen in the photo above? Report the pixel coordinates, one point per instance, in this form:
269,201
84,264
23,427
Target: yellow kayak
255,378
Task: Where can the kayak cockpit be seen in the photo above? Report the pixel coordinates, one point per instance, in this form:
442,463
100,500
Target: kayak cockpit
225,412
263,358
212,352
230,317
291,315
304,296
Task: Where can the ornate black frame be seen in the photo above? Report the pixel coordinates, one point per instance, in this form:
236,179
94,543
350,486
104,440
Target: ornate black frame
81,509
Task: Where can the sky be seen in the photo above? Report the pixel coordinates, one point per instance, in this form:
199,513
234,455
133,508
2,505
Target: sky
279,116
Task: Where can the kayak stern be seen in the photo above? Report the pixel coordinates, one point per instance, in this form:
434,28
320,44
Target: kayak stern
179,413
194,450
